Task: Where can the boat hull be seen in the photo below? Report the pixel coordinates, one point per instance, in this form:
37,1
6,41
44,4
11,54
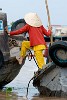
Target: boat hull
9,70
52,81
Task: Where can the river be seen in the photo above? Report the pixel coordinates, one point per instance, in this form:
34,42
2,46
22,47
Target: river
20,83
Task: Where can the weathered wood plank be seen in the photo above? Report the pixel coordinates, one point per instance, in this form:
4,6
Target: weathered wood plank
52,83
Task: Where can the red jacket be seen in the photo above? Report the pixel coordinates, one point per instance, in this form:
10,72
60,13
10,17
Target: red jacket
36,34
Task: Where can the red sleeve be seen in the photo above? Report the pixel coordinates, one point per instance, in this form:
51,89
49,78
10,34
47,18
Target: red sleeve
21,30
45,32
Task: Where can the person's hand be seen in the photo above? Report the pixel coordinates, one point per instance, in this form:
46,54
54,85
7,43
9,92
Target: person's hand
6,30
50,28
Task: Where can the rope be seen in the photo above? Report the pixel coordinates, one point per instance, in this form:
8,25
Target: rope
30,54
29,84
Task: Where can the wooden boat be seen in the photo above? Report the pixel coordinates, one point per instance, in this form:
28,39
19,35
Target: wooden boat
9,66
52,81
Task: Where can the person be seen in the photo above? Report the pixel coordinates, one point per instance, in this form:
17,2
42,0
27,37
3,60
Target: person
36,41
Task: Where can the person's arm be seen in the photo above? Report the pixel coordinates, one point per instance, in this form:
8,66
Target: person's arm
45,32
19,31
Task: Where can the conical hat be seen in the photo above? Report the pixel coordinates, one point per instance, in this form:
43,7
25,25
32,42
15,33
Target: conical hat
33,19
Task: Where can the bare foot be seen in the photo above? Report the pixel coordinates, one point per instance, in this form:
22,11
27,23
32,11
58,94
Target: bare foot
20,59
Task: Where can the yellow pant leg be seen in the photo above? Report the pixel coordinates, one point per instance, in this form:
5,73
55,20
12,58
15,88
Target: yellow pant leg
24,47
39,58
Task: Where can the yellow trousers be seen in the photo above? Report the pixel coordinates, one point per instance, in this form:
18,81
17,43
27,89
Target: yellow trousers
38,52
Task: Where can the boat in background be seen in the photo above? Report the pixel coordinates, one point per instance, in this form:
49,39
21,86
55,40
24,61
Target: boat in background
9,49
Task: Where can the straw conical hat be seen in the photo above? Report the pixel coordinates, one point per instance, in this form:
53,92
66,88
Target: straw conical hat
33,19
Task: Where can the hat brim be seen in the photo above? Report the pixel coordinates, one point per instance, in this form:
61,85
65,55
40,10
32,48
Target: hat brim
33,19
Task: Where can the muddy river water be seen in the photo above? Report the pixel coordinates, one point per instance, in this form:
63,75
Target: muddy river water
20,83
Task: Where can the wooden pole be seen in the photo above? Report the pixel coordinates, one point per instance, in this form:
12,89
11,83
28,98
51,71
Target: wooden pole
49,23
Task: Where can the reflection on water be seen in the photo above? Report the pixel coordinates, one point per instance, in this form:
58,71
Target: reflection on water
20,83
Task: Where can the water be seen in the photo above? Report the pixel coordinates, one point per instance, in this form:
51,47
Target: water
20,83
